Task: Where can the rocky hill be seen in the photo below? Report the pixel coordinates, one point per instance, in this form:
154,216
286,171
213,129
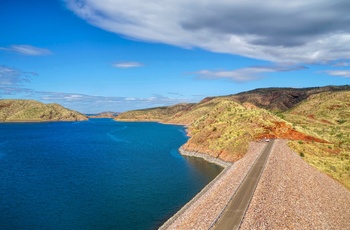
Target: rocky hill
316,120
30,110
155,114
282,99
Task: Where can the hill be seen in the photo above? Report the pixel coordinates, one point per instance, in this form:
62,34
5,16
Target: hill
155,114
30,110
315,120
282,99
327,115
226,130
277,100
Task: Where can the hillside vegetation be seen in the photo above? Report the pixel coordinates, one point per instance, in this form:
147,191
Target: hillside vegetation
282,99
315,120
30,110
328,116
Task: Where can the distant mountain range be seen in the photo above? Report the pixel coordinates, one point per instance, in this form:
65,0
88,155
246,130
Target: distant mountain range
34,111
103,115
316,120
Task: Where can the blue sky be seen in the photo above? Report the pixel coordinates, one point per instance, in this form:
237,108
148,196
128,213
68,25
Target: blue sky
113,55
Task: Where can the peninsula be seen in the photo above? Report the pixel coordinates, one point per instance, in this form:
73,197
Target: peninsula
34,111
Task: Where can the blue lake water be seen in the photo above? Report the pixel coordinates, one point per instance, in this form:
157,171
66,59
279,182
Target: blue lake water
97,174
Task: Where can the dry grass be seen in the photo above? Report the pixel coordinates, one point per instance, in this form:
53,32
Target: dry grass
327,115
223,128
29,110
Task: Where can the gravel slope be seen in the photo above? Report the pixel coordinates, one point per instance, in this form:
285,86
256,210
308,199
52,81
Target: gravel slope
293,195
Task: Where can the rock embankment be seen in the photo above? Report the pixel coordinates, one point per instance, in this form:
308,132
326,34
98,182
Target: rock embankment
206,157
293,195
205,208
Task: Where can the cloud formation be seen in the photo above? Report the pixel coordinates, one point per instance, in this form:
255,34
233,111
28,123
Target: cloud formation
90,103
11,77
245,74
342,63
27,50
12,83
313,31
338,73
126,65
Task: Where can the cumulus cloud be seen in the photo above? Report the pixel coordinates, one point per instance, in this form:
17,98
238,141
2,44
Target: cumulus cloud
313,31
126,65
338,73
27,50
245,74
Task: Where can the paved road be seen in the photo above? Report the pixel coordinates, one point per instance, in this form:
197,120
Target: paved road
232,216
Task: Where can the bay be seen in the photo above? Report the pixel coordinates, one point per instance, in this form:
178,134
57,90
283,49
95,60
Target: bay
97,174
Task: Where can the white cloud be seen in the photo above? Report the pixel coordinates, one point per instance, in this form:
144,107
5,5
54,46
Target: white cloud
93,104
27,50
126,65
12,81
338,73
313,31
10,77
245,74
342,63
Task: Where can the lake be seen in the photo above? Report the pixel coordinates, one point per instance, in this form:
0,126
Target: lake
97,174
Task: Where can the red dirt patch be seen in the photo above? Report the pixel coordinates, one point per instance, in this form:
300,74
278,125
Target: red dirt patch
285,131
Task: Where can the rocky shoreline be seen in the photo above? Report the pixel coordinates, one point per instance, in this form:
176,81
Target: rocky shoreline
203,210
206,157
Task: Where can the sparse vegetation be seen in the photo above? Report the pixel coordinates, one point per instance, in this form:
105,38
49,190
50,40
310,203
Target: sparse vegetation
315,118
30,110
321,114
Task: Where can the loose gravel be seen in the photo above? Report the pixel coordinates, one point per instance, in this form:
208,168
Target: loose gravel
207,207
292,194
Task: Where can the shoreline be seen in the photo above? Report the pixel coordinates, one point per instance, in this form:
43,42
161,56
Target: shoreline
206,157
204,209
38,121
225,165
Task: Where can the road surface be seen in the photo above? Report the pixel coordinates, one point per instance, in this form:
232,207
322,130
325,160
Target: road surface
234,212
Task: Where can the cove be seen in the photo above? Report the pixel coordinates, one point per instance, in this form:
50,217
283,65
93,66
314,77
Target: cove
97,174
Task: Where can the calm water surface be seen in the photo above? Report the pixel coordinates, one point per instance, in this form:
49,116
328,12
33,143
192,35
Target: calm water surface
98,174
